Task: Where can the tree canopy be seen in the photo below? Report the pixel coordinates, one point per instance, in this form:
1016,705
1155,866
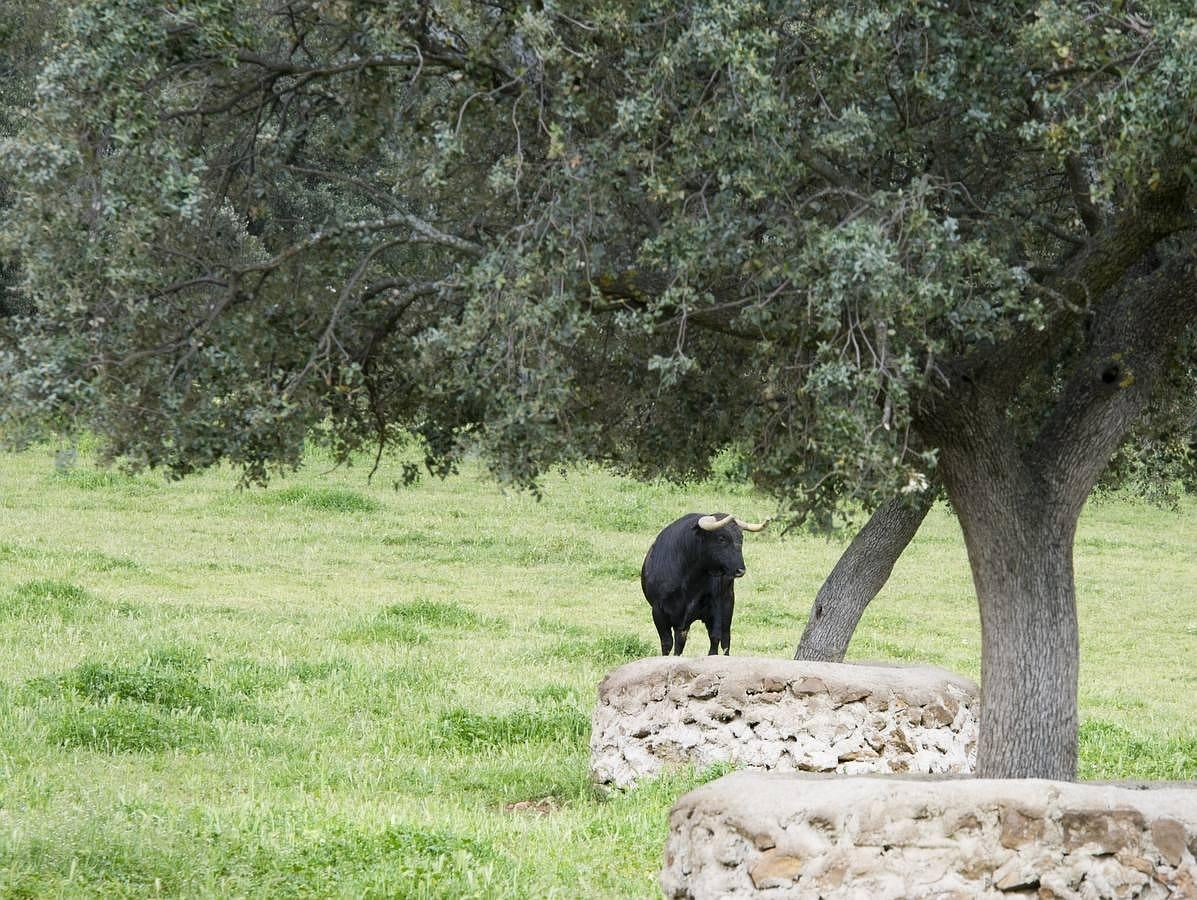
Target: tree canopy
870,244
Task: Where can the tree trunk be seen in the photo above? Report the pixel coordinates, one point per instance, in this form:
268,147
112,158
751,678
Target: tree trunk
1019,514
1021,559
859,575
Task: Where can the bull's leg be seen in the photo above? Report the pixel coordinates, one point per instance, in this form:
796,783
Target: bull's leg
714,632
664,631
731,605
714,651
679,640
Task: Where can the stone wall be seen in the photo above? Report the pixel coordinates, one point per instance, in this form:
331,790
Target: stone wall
780,715
788,835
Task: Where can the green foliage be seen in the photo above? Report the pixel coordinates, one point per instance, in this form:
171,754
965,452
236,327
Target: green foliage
608,650
397,861
451,544
777,230
613,650
382,630
433,613
170,682
107,480
1111,751
92,560
405,623
164,686
253,676
760,613
553,694
25,31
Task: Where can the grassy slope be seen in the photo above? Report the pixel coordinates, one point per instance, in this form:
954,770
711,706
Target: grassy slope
336,688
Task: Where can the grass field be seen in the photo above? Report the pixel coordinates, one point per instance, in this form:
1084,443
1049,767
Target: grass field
336,688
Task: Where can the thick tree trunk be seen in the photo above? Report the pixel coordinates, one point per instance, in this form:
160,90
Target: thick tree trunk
1021,559
1018,523
859,575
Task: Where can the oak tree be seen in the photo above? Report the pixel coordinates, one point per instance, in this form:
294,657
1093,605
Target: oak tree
877,245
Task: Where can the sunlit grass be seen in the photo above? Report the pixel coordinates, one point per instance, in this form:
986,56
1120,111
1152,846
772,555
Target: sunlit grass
330,687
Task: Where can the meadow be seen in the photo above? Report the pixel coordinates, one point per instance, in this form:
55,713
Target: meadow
331,687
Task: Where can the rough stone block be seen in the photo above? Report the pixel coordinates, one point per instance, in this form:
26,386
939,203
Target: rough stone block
783,715
794,836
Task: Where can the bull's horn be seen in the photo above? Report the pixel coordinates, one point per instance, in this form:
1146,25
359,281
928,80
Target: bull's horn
748,526
710,523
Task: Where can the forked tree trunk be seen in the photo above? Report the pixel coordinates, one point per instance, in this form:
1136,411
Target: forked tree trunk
859,575
1018,506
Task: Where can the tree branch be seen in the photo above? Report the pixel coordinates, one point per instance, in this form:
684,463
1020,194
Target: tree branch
1078,185
631,290
1079,283
1133,333
365,226
285,67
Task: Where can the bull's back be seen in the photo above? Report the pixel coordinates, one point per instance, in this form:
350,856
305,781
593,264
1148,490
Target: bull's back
658,577
661,577
666,576
644,572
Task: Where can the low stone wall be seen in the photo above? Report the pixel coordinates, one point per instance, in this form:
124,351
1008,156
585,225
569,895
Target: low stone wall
787,835
781,715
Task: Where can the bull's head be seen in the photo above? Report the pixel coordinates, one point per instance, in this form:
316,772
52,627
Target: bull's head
723,543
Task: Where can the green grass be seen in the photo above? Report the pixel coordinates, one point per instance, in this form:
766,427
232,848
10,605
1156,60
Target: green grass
45,598
330,687
464,730
321,499
119,727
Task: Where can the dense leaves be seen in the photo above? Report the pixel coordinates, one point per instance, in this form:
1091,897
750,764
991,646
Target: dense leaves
870,247
632,232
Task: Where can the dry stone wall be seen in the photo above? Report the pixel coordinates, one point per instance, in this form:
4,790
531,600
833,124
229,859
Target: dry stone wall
794,836
780,715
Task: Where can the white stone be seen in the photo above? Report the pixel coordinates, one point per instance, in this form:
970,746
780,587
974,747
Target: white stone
838,837
780,714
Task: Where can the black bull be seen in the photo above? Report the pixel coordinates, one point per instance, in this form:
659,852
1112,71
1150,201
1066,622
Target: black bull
689,575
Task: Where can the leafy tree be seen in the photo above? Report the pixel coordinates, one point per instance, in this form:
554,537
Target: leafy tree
23,29
882,246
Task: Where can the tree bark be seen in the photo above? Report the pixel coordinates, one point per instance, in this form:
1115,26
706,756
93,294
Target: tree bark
859,575
1030,649
1020,552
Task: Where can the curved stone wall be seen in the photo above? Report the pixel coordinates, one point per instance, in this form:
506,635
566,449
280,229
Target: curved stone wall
781,715
777,835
